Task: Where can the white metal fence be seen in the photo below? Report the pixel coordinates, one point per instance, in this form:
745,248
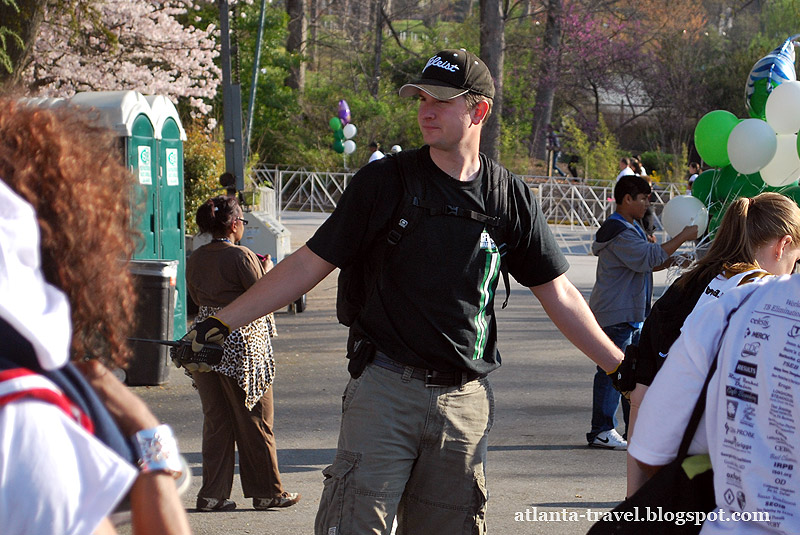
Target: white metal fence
573,208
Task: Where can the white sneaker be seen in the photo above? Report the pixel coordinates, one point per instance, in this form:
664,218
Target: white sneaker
610,440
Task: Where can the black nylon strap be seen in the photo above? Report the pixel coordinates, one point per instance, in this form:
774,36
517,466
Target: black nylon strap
700,406
452,210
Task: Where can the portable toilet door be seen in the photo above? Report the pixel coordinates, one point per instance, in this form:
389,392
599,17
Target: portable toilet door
141,160
170,135
127,114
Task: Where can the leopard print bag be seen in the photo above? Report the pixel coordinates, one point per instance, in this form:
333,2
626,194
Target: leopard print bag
247,356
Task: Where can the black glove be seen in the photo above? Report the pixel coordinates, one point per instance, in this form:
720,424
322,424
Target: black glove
624,377
211,330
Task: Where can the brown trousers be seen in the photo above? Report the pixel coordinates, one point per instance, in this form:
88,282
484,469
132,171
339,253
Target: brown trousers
228,423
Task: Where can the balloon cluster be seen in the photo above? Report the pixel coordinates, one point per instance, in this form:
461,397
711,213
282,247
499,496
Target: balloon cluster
757,154
343,130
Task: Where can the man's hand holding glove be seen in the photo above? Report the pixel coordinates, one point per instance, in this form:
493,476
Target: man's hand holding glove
211,330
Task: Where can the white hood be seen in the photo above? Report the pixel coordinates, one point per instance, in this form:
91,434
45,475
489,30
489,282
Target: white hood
36,309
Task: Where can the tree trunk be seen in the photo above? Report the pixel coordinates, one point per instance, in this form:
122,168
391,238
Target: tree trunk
492,53
295,43
313,23
376,73
26,25
546,88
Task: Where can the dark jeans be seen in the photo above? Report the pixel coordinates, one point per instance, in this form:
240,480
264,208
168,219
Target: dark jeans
605,398
556,156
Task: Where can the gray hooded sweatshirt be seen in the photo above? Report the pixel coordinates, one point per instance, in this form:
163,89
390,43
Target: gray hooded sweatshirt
624,280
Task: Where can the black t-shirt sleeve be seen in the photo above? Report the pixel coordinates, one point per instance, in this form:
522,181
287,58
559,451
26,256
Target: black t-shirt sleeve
534,257
362,214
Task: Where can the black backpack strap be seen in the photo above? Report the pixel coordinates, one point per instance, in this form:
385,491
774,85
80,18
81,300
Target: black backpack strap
413,197
449,209
497,200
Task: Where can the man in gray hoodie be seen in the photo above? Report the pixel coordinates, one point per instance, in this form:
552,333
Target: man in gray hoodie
621,295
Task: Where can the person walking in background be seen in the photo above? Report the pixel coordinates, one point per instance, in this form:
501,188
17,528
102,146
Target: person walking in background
75,440
694,172
425,338
620,299
554,147
637,167
648,220
757,237
624,168
641,165
375,147
237,393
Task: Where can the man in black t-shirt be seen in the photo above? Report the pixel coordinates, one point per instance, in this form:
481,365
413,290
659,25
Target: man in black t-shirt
415,420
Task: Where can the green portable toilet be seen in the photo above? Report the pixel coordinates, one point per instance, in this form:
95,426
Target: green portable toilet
127,113
169,136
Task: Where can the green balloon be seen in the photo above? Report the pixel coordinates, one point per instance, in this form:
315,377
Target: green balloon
757,108
731,185
338,146
781,189
711,137
335,123
715,219
703,184
793,192
339,134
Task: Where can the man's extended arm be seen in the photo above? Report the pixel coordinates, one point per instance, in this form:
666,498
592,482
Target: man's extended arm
569,312
289,279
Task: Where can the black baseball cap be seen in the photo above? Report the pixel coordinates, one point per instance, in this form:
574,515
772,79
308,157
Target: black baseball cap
450,74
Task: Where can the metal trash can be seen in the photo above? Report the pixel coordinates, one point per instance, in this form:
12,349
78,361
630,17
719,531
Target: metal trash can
155,282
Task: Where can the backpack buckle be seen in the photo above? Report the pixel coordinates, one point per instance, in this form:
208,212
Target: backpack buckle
393,237
449,209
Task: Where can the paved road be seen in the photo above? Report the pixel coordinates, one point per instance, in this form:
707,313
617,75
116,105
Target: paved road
538,459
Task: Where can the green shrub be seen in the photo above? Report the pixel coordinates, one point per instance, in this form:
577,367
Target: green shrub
203,163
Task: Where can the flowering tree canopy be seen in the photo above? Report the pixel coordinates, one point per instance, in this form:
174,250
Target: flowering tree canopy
124,44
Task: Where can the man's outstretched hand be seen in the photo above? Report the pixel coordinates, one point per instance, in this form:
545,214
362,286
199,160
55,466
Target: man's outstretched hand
211,330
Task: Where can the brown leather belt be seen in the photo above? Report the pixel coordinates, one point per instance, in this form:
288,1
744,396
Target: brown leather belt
432,378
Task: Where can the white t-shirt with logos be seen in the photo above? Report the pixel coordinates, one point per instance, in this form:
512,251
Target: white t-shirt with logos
722,283
752,408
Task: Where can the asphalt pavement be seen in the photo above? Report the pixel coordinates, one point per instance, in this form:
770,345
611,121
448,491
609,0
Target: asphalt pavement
542,477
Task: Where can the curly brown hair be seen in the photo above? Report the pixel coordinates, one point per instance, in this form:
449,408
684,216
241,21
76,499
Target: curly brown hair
70,170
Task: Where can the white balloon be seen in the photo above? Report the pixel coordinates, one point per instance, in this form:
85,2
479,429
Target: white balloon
682,211
751,146
783,108
349,146
349,130
784,168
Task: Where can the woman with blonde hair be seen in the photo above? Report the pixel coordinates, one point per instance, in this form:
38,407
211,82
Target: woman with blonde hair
758,237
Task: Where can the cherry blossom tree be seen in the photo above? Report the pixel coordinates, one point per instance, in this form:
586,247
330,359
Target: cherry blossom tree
124,44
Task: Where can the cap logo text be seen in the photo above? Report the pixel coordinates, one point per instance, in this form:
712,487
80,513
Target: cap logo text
437,61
